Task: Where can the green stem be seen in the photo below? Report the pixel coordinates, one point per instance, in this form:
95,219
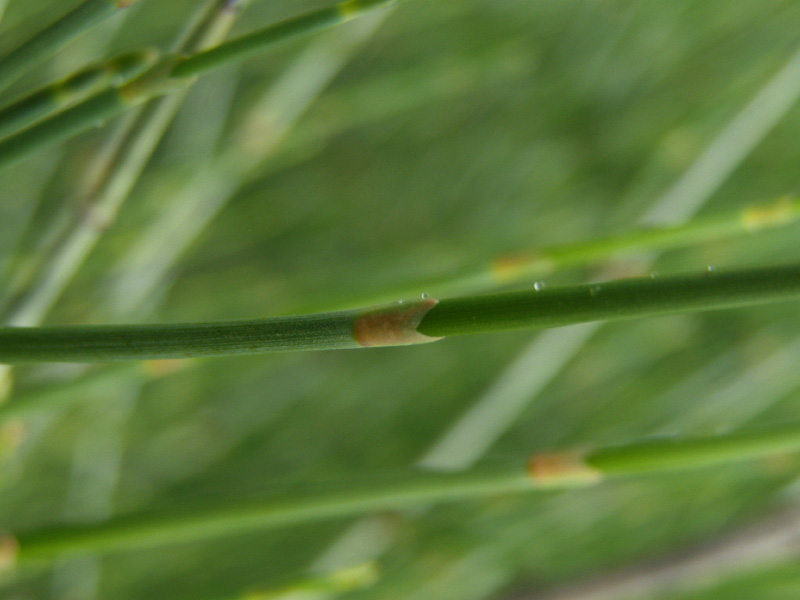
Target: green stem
677,453
176,73
248,45
55,97
528,265
95,110
610,301
146,531
49,41
408,323
65,393
115,174
556,469
544,471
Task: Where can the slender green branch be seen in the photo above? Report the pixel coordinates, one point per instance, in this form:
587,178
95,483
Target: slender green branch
664,454
115,174
59,95
49,41
53,396
173,74
97,109
411,322
253,43
257,135
621,299
543,471
527,265
144,531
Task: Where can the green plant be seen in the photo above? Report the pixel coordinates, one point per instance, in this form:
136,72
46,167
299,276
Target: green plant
360,206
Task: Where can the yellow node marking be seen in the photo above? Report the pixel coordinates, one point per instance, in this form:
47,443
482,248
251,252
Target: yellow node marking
559,468
776,213
511,266
349,9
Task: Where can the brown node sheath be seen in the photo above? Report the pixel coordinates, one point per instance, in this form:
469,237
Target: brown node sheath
164,367
509,266
394,325
562,467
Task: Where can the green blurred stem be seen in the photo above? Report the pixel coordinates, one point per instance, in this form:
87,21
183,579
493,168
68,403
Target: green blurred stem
526,265
544,471
327,502
114,173
64,125
253,43
678,453
410,322
176,73
50,40
611,301
54,396
59,95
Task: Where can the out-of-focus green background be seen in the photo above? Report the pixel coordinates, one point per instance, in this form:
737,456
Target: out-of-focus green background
456,132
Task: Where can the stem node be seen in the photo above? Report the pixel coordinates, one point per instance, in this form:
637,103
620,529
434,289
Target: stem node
560,468
394,325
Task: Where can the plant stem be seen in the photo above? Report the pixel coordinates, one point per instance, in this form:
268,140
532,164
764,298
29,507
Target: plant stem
55,97
56,395
97,109
255,138
245,46
544,471
146,531
620,299
173,74
411,322
49,41
678,453
117,172
528,265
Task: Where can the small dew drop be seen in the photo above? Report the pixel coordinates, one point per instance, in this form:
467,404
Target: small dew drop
710,269
425,296
594,290
399,301
653,275
538,286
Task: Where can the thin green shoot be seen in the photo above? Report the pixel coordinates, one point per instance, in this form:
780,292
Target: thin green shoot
543,471
53,38
173,74
55,97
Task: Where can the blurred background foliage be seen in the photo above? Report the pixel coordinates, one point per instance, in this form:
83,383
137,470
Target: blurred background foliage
456,132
